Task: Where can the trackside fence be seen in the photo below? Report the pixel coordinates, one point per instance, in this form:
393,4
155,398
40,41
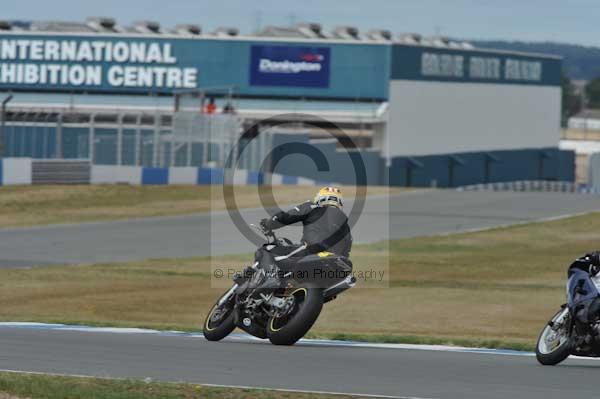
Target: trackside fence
534,186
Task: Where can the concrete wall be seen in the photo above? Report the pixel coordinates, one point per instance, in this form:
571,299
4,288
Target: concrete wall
295,155
429,118
466,168
15,171
20,171
594,171
111,174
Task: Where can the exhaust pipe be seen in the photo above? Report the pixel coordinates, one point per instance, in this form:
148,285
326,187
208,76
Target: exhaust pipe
340,287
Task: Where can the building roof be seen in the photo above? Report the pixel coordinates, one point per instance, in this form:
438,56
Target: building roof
301,30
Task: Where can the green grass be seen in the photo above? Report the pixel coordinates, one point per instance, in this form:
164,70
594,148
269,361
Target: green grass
40,386
494,288
22,206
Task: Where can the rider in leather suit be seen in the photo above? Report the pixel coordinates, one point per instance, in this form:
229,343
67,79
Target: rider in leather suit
325,225
325,229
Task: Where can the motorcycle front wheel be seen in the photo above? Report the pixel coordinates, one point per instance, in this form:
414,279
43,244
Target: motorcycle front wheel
294,324
220,321
553,345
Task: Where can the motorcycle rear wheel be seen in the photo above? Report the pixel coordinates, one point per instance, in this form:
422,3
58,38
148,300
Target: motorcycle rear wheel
218,326
553,349
287,330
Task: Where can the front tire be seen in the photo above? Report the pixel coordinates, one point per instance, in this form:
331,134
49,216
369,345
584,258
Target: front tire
289,328
220,321
553,345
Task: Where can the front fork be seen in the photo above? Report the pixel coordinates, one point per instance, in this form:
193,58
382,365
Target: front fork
228,295
233,289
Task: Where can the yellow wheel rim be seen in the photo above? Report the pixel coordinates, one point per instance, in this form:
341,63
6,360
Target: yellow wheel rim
271,325
210,315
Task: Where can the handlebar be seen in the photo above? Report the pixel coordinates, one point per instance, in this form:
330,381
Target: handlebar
271,237
269,234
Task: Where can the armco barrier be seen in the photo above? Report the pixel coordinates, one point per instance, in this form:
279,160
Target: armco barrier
60,171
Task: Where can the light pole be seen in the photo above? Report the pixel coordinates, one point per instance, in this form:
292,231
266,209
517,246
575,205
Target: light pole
2,130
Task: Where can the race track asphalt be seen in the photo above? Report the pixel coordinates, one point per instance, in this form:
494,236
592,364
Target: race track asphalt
398,373
403,215
394,372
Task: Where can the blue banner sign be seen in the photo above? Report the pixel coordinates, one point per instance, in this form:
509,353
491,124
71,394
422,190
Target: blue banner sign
289,66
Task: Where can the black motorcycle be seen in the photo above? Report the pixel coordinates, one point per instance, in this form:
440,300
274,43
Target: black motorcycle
575,328
281,295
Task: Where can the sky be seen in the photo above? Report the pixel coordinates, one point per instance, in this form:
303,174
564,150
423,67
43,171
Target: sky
573,21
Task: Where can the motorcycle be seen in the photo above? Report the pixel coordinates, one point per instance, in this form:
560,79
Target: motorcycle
280,296
575,328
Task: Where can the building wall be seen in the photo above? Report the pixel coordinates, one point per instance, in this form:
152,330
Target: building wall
459,117
428,118
455,116
324,162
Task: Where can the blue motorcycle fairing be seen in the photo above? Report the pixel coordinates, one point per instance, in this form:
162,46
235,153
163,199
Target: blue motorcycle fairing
581,293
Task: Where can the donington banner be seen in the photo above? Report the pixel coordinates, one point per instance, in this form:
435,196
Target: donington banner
289,66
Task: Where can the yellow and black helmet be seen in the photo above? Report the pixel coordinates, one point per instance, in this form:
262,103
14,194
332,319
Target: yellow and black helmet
329,196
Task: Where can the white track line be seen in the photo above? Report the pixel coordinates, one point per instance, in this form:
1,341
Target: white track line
242,337
245,338
509,224
360,395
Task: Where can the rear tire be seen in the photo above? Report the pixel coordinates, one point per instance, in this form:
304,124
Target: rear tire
289,329
551,356
217,329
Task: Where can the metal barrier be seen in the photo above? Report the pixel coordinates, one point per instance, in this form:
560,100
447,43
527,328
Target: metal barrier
131,138
60,172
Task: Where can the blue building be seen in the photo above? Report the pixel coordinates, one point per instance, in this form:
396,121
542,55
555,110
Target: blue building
413,111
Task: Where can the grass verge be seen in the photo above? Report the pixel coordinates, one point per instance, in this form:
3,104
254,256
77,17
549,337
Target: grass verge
40,386
495,288
22,206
